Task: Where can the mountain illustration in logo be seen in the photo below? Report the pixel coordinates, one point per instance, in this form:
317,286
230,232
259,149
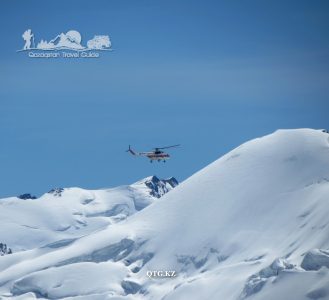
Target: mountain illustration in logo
70,40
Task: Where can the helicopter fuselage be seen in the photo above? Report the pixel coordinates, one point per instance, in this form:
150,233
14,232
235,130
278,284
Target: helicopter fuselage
158,156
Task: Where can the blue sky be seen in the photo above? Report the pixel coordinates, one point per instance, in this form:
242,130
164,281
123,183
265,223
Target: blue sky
209,75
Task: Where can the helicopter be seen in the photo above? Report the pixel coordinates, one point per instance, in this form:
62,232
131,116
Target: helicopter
156,154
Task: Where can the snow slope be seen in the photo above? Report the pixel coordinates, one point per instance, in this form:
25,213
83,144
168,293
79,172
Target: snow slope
62,215
252,225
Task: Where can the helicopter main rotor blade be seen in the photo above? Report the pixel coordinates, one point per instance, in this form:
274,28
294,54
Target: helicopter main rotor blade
173,146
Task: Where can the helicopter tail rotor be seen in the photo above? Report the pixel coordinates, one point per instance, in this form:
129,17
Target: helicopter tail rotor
131,151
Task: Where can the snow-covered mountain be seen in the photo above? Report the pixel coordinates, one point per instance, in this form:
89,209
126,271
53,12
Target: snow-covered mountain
252,225
65,214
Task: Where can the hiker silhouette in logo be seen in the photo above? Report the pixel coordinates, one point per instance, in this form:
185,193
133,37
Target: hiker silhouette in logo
27,36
